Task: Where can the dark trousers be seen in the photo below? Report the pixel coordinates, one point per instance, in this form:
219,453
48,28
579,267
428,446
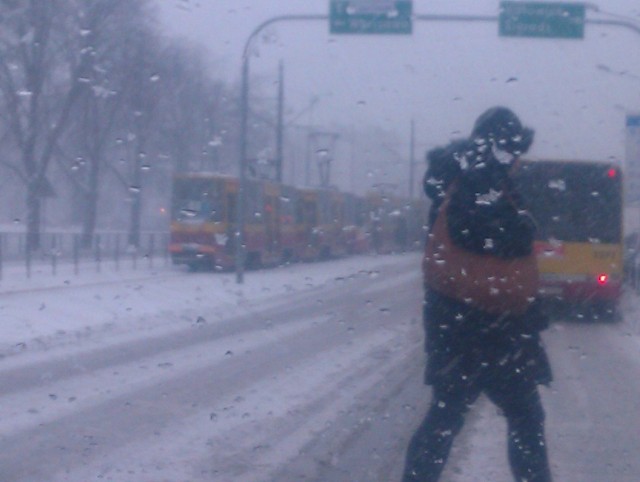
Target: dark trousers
519,400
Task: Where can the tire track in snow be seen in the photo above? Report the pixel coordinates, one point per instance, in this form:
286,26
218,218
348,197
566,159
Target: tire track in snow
253,434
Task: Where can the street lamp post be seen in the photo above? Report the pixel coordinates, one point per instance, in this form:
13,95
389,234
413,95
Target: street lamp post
240,252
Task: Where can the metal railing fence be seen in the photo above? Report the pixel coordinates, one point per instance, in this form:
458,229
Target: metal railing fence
108,249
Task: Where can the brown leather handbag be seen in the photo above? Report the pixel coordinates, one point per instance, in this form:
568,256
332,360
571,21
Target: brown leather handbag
489,283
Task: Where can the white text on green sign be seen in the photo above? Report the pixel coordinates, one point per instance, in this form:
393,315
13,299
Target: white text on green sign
370,16
542,19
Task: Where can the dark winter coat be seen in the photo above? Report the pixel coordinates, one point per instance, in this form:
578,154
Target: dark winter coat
461,340
486,215
443,168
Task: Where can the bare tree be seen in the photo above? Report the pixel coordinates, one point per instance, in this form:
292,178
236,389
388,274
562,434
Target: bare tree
100,108
144,93
86,82
182,116
49,48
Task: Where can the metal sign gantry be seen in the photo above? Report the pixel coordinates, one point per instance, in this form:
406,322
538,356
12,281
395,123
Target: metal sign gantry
244,96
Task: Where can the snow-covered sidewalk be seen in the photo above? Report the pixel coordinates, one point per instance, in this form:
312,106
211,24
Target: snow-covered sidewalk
45,310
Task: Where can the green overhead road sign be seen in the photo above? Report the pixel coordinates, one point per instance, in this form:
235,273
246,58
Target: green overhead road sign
371,16
542,19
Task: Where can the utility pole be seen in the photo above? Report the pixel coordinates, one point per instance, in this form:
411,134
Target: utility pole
412,159
280,127
238,242
352,159
307,154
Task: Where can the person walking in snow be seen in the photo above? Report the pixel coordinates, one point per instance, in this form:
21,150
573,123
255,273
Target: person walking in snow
475,346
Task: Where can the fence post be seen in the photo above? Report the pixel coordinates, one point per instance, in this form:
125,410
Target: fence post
107,244
152,245
20,245
165,248
136,251
54,261
116,255
76,254
134,256
28,259
98,253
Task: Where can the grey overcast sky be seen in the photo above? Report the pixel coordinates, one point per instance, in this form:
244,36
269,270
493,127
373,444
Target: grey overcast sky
575,93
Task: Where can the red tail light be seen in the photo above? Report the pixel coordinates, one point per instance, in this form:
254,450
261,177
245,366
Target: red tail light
603,279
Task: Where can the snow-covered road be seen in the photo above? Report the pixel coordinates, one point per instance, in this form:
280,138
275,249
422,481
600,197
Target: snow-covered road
185,376
591,406
307,372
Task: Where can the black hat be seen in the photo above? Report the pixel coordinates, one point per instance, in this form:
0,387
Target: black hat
502,126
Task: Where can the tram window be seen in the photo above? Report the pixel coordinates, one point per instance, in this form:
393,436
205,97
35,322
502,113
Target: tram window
299,210
287,205
254,206
337,215
325,209
196,200
310,213
216,204
231,208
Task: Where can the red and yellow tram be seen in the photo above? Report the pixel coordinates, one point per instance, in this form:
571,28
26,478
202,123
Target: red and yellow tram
283,223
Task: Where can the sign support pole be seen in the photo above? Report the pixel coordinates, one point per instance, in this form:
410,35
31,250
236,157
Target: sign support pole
239,241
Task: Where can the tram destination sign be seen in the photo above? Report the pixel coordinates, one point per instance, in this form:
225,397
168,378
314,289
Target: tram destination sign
371,17
542,19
